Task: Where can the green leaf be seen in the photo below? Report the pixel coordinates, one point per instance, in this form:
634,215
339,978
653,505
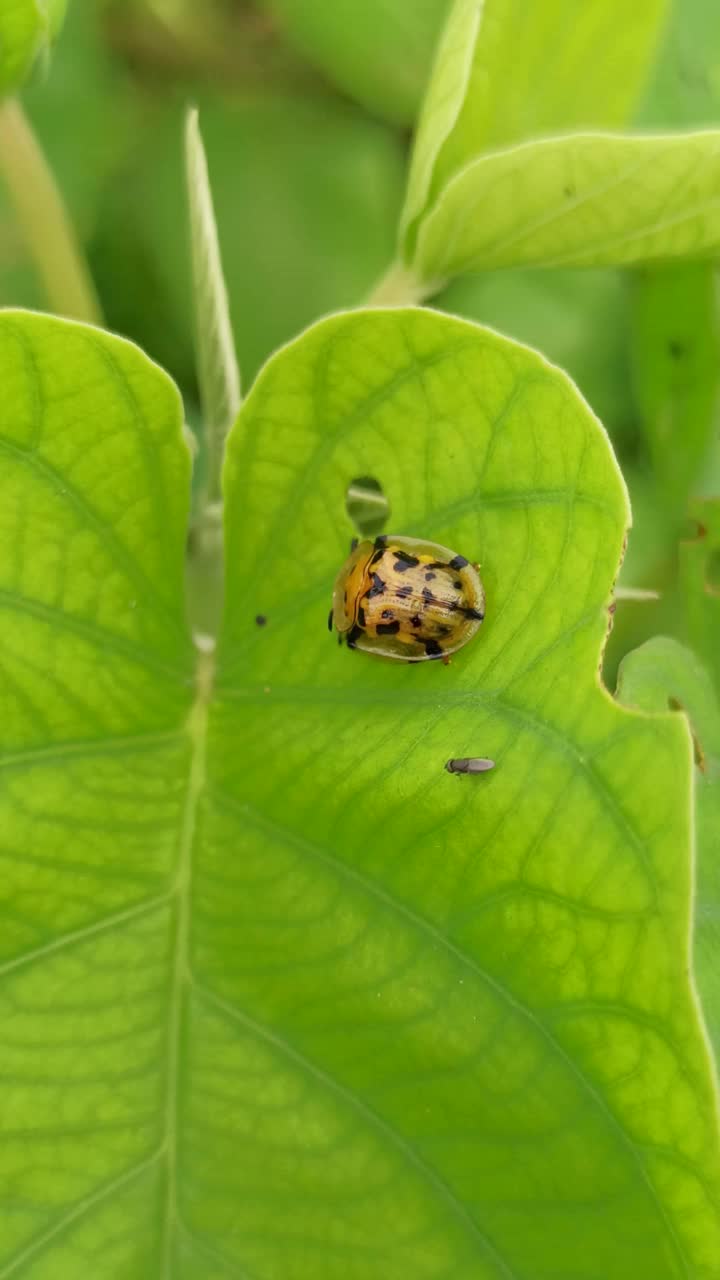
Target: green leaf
505,72
26,30
587,200
662,674
218,373
699,573
676,338
379,52
95,687
280,996
470,995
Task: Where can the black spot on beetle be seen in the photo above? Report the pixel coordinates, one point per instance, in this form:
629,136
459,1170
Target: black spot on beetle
444,629
433,649
473,613
429,577
403,561
416,620
457,584
404,591
387,613
380,541
377,556
388,628
361,617
428,597
260,619
377,588
459,562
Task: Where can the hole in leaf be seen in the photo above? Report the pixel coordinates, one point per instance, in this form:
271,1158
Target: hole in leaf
367,506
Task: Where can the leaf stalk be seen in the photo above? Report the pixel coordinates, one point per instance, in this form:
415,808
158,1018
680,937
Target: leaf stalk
43,219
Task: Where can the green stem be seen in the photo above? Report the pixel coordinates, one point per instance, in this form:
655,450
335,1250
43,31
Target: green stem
398,288
43,219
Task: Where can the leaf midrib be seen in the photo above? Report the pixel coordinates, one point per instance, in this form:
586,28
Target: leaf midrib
180,975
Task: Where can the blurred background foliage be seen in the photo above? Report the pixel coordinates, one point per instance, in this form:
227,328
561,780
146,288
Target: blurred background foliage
306,110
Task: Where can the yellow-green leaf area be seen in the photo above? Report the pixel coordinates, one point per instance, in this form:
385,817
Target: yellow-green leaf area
278,995
506,71
584,200
462,1036
96,676
26,28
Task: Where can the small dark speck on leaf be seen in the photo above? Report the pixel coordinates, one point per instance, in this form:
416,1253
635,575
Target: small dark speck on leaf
260,619
676,349
569,191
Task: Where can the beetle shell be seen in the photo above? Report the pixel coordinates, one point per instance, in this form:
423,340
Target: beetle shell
407,599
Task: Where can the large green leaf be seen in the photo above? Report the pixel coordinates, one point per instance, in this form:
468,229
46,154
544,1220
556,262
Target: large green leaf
463,989
507,71
281,997
379,52
95,688
585,200
663,674
26,29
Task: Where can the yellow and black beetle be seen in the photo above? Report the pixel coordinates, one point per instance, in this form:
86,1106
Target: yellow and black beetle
408,599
